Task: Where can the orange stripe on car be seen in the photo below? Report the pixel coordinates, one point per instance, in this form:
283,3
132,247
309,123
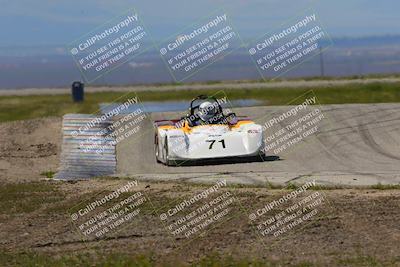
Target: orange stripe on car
187,129
240,123
166,127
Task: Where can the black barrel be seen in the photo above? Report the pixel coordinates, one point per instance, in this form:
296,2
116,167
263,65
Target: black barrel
77,91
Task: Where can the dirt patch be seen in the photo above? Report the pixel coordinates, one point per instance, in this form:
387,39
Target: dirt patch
29,148
360,229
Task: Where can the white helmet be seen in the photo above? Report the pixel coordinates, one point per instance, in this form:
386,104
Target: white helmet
207,111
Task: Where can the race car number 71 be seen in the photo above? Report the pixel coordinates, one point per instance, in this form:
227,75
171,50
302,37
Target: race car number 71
213,141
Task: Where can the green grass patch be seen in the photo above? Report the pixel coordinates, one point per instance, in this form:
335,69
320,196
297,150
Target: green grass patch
361,261
123,260
27,197
41,260
293,186
98,259
28,107
380,186
48,174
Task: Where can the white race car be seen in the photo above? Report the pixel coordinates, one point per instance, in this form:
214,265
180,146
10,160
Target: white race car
207,132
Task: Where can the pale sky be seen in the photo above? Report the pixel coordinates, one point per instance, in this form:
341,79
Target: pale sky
59,22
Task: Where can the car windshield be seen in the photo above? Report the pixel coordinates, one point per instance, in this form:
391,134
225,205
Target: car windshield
206,110
198,102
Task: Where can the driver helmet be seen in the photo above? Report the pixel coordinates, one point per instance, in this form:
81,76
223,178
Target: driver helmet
207,111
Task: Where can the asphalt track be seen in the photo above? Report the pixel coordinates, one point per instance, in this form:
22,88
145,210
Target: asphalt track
355,145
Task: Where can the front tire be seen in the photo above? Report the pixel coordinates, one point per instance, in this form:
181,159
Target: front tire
157,149
166,157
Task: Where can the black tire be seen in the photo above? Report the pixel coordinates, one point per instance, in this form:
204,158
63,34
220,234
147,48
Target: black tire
156,150
167,161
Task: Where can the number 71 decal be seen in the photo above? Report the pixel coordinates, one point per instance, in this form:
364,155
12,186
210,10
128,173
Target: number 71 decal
213,141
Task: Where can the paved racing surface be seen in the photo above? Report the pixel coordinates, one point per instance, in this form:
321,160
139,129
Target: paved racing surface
355,144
